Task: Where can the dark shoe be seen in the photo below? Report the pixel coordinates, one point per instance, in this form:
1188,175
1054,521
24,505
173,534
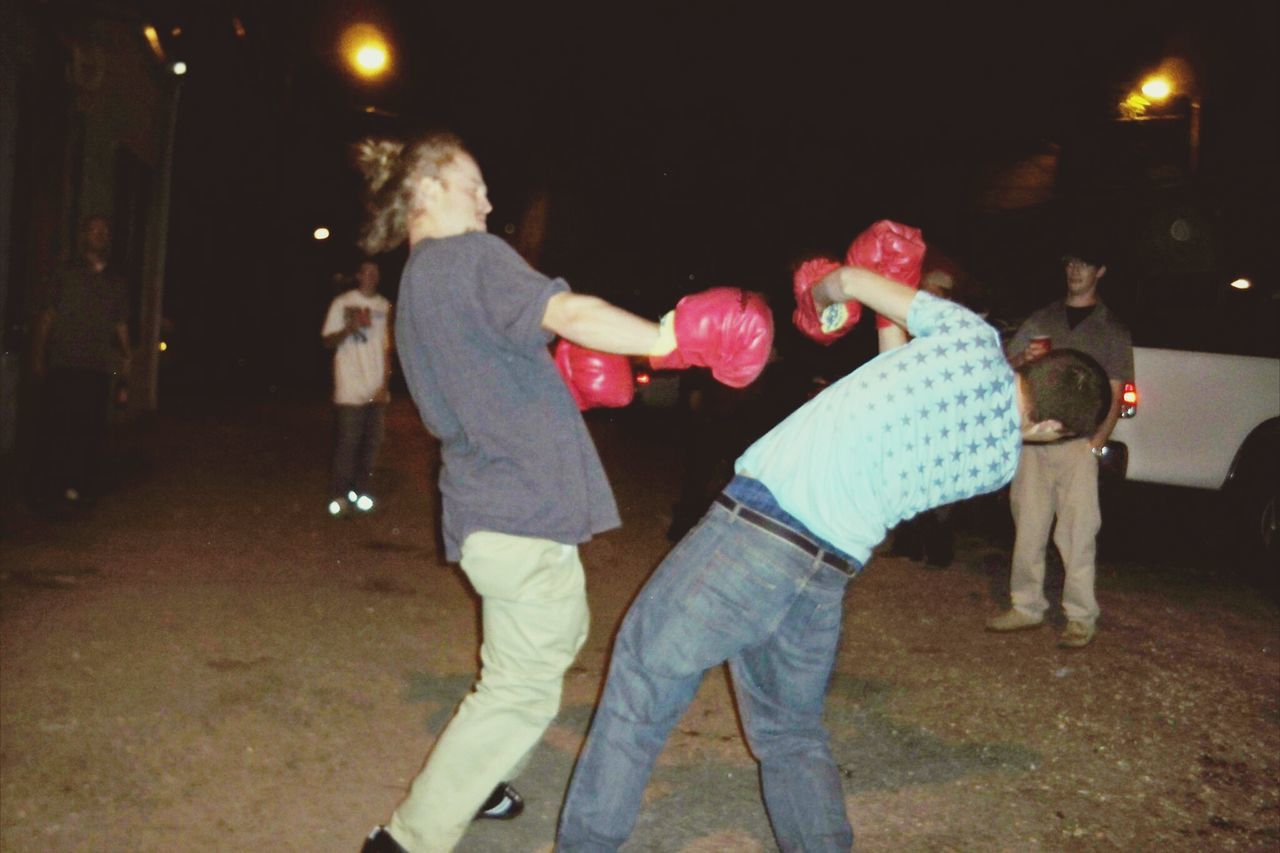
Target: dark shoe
380,841
503,804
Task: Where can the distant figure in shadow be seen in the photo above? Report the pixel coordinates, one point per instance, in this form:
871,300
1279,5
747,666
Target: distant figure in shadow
80,344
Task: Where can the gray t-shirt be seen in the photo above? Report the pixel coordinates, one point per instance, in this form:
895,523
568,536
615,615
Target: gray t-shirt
1100,335
517,457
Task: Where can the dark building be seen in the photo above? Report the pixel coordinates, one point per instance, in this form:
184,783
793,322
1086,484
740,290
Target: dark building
87,103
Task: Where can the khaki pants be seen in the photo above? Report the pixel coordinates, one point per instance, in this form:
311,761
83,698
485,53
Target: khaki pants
534,621
1056,480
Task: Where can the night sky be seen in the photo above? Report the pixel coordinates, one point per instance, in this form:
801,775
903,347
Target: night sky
677,146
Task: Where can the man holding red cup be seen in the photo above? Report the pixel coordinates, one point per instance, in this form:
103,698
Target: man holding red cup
1060,479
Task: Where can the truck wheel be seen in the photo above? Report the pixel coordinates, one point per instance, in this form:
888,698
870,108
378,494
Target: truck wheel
1256,511
1267,542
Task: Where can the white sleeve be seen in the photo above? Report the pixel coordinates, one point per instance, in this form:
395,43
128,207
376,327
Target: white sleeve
334,321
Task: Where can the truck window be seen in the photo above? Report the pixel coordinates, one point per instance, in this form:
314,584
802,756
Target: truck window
1202,313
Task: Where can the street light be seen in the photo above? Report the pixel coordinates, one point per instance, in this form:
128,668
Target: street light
1174,81
1157,88
371,59
366,50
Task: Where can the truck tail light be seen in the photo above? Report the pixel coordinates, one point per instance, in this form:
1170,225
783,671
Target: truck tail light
1129,400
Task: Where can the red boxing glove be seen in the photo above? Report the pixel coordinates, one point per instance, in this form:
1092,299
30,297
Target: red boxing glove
724,328
893,250
595,378
806,317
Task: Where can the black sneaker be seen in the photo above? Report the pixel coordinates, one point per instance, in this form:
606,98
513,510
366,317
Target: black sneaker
503,804
380,841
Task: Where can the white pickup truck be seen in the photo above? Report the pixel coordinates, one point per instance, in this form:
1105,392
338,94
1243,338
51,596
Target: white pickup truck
1207,407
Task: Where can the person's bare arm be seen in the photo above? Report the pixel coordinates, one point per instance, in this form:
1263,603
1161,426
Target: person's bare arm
1109,423
332,339
1018,359
887,298
384,393
592,322
891,337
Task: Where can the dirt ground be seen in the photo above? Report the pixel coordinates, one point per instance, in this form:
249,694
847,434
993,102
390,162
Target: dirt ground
206,662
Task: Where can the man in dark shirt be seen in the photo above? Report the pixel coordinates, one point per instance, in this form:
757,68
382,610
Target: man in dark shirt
521,483
1061,480
81,341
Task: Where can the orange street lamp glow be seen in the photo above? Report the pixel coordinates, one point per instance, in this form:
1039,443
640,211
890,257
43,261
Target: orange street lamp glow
153,41
1157,88
1135,103
371,60
366,50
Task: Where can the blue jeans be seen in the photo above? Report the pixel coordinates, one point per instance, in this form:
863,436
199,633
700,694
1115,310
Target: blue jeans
729,591
360,430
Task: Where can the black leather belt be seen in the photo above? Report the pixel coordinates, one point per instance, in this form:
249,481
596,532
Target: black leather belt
777,528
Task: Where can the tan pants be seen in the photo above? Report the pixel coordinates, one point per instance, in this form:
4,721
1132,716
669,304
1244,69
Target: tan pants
534,621
1056,480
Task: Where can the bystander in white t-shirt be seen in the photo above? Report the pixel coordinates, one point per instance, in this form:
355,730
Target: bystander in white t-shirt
360,361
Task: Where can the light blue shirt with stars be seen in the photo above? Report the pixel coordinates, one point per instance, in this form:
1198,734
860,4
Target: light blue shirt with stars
919,426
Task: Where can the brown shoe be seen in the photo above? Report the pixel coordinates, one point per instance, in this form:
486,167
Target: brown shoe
1014,620
1077,636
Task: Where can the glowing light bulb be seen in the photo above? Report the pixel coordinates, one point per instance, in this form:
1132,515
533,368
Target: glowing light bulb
1157,88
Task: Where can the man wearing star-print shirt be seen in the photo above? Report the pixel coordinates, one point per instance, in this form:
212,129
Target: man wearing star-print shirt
760,581
922,425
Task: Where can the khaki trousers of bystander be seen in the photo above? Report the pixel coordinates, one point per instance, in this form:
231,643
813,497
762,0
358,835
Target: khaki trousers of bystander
1056,481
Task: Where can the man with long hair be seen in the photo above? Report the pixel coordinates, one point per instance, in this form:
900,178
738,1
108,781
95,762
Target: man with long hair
521,482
